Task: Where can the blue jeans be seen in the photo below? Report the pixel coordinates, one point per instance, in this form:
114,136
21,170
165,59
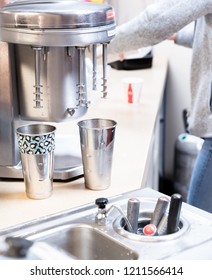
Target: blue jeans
200,189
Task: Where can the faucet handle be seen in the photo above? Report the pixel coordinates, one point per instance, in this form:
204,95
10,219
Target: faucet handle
100,218
17,246
101,202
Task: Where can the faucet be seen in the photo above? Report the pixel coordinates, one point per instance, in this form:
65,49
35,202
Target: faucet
102,214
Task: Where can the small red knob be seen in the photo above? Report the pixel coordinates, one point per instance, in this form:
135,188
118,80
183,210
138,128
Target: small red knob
150,229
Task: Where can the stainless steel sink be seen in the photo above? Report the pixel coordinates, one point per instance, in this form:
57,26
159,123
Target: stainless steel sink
86,243
75,233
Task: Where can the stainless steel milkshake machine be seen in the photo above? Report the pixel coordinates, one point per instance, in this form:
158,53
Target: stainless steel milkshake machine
42,68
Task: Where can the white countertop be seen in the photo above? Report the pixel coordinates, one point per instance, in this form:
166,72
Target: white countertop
135,126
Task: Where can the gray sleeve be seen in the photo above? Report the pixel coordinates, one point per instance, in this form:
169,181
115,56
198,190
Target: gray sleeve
184,37
157,23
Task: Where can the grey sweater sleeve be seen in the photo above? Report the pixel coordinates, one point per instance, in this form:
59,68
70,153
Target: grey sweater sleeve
156,23
185,36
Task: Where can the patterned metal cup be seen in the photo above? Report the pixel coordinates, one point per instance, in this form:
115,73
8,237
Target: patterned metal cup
36,144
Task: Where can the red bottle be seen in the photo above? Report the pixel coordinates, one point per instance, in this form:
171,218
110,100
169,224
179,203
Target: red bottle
130,94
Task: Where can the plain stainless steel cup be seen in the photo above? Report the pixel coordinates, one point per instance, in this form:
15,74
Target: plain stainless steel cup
36,144
97,143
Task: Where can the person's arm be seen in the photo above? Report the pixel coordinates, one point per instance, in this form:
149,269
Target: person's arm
185,36
158,22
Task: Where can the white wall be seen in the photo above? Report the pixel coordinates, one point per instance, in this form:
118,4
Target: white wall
125,10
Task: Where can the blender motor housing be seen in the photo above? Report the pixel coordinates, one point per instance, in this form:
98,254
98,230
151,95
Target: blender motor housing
43,72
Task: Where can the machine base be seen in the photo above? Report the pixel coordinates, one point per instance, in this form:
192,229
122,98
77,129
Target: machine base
67,161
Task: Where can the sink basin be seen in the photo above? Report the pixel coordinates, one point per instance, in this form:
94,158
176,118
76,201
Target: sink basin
86,243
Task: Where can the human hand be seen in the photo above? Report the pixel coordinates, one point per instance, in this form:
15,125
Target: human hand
172,37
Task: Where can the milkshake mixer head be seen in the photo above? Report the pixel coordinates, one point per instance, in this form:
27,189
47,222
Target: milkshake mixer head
50,40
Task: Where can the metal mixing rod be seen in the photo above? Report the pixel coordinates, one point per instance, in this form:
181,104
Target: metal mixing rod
104,64
94,55
133,206
37,86
81,76
166,215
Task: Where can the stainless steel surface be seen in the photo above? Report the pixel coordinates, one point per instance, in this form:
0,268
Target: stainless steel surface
76,233
159,210
36,145
36,131
144,219
38,100
38,36
104,63
55,14
81,78
102,217
9,155
67,160
162,227
67,157
63,93
97,142
61,38
21,248
87,243
133,206
8,149
38,175
57,23
94,60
